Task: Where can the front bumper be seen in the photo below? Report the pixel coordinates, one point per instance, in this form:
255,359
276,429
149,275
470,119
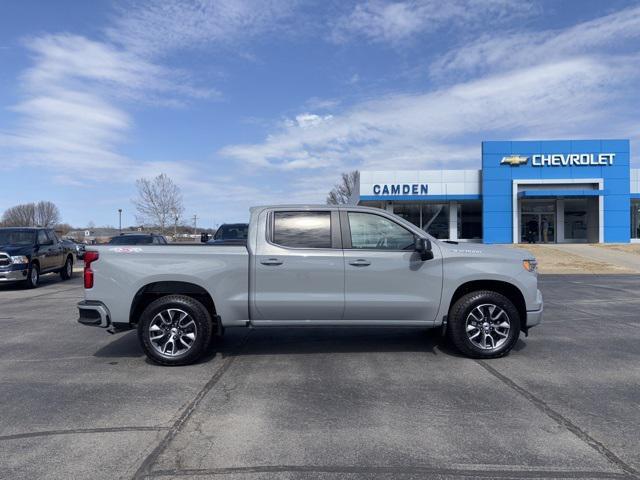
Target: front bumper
13,275
93,314
534,318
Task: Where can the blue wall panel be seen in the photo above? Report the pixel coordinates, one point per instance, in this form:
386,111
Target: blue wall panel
496,147
555,146
615,146
497,235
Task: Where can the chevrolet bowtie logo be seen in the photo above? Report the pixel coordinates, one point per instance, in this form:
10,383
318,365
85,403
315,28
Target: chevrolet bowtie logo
514,160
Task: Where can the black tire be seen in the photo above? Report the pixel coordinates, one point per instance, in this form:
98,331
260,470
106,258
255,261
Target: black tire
161,309
67,271
33,276
485,305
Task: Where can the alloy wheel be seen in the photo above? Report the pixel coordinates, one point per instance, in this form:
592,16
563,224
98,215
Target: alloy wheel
488,326
172,332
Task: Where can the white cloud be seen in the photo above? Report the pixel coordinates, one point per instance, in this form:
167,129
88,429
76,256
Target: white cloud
77,92
70,116
571,98
393,22
513,50
159,28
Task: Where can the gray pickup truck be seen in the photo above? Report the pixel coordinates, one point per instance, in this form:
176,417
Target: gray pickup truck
313,266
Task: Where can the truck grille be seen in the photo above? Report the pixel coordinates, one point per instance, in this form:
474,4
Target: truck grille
5,260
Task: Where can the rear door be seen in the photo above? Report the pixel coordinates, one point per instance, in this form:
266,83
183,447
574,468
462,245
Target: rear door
299,267
385,279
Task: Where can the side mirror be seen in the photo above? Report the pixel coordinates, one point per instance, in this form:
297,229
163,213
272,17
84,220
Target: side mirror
48,242
423,247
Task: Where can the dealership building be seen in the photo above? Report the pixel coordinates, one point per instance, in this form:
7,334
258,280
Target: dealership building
554,191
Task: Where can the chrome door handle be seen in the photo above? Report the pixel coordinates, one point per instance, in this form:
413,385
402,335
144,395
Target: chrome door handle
361,262
271,261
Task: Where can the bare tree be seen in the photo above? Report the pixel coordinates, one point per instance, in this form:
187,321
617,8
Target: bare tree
22,215
63,228
47,214
41,214
342,192
159,201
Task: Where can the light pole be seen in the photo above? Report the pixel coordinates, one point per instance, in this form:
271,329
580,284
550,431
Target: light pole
120,220
176,217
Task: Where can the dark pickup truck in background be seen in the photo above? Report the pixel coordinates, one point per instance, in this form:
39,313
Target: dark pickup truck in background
27,253
230,234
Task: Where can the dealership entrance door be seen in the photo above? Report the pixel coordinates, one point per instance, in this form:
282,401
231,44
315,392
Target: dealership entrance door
538,228
538,221
559,220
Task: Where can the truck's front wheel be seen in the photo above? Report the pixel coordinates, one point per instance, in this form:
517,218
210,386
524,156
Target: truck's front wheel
175,330
484,324
67,271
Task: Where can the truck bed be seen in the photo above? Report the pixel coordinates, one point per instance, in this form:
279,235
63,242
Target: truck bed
123,271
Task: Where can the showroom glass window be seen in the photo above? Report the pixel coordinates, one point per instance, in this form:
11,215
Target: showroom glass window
575,219
370,231
433,218
635,218
470,220
409,211
302,229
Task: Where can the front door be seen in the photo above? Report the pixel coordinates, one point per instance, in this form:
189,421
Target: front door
45,251
57,252
299,270
385,279
537,228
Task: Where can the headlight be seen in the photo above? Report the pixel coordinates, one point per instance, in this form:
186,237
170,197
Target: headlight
19,259
530,265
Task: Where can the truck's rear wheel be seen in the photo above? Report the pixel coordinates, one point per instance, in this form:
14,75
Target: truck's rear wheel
175,330
484,324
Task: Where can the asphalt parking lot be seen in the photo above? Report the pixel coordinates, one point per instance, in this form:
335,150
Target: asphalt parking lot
353,403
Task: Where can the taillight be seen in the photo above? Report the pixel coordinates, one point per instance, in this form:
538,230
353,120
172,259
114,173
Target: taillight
89,258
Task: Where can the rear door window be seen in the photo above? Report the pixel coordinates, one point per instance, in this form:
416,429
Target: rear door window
302,229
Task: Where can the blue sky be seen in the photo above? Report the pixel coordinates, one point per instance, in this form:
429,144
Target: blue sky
249,102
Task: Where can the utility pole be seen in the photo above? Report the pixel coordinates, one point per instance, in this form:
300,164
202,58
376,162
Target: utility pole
120,220
195,224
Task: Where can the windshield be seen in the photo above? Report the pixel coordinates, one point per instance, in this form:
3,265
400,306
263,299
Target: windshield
232,232
17,237
132,240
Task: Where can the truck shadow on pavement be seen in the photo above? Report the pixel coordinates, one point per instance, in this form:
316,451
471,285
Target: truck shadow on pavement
308,340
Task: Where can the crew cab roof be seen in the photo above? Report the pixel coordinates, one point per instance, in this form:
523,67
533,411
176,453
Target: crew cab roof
314,207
